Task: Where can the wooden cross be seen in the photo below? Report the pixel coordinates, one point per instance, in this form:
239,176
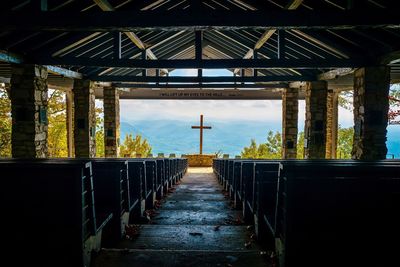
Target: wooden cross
201,127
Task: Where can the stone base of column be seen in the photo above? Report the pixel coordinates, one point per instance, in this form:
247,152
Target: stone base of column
315,124
290,111
29,111
371,105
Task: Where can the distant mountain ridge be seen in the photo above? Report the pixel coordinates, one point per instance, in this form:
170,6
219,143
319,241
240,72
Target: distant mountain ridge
174,136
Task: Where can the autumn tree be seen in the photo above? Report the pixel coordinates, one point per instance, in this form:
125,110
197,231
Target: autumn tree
300,145
100,152
271,149
134,146
57,128
5,124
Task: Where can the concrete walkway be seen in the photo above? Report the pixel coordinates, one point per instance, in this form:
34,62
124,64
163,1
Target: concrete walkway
195,226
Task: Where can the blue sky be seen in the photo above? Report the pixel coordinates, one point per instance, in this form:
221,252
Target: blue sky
266,111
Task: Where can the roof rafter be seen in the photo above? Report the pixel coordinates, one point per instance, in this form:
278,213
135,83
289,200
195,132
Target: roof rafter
106,6
175,20
208,64
292,5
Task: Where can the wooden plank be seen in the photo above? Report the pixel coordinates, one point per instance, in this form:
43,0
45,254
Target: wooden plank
175,20
195,79
106,6
208,64
292,5
226,94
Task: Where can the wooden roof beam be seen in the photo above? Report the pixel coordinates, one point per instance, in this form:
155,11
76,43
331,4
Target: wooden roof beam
106,6
208,64
292,5
176,20
12,58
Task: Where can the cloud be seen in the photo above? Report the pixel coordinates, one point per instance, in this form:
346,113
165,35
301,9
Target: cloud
189,110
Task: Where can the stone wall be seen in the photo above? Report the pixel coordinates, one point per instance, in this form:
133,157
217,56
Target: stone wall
371,105
29,111
197,160
315,124
84,119
331,124
111,122
290,111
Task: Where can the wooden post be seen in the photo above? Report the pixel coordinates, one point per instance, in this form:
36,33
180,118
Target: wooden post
201,127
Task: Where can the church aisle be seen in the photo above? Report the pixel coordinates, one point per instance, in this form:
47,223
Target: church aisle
195,226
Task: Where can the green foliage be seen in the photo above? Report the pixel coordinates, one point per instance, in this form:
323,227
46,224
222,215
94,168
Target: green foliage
100,152
134,146
345,100
300,145
5,124
345,143
57,128
272,149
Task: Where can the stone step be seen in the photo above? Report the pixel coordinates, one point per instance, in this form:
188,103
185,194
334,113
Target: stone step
181,258
192,237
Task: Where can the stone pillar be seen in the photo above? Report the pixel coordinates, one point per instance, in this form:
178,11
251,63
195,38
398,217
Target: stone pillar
111,121
29,111
69,100
315,124
290,112
331,124
84,119
371,105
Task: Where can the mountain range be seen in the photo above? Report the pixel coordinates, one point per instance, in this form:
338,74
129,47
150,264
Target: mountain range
227,137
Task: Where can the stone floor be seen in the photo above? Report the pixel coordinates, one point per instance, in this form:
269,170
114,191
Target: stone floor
195,226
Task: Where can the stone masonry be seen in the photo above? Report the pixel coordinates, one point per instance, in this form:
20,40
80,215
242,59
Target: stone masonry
84,119
111,121
29,111
331,124
371,105
290,110
315,124
197,160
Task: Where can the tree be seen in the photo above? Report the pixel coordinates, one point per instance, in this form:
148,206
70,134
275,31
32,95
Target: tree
100,150
134,146
57,128
300,145
5,124
271,149
345,142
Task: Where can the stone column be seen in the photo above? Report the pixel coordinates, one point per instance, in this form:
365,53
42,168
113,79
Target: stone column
315,124
331,124
29,111
290,112
69,100
84,119
371,105
111,121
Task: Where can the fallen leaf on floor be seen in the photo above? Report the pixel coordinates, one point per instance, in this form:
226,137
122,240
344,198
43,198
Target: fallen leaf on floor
195,234
131,231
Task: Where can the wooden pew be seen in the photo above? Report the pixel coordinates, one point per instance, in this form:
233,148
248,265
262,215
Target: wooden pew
50,210
337,213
